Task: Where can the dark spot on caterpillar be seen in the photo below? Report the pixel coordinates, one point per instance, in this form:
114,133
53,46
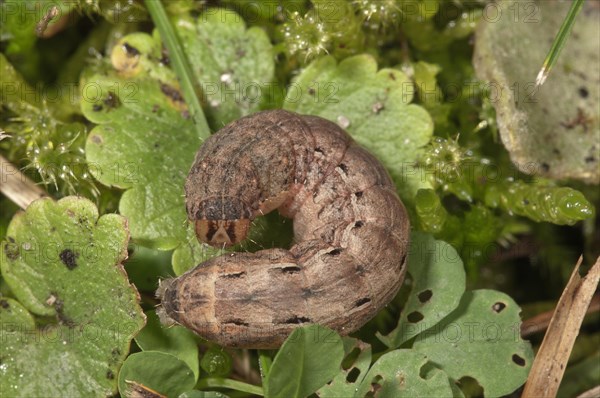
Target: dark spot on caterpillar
237,322
545,167
171,92
518,360
130,50
97,107
425,296
358,224
110,375
556,151
359,194
343,167
414,317
297,319
334,252
360,269
69,258
4,304
498,307
291,270
362,301
112,100
590,159
236,275
306,292
319,149
583,92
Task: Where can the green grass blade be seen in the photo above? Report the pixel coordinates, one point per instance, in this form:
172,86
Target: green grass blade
559,41
180,64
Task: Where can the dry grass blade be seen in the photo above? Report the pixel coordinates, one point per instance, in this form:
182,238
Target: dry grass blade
551,360
16,186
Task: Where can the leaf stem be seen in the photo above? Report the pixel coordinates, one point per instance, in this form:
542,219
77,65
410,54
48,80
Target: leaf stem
180,64
559,41
219,382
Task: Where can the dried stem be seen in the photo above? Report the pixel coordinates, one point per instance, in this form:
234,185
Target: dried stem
17,186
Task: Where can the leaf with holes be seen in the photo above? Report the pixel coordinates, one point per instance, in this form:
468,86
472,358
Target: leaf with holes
354,369
309,358
404,373
145,141
484,329
373,106
63,263
438,283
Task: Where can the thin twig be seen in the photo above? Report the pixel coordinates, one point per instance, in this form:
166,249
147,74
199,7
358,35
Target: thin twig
17,186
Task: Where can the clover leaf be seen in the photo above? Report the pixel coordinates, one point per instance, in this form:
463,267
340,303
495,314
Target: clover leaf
69,329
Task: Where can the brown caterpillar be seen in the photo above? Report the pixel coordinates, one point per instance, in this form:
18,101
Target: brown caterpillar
350,229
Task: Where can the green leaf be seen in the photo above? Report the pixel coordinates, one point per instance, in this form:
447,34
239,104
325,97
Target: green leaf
404,373
354,369
438,283
175,340
146,266
552,130
485,328
63,262
159,371
373,106
308,359
233,65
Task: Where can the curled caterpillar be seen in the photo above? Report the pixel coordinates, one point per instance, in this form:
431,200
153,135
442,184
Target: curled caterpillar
350,231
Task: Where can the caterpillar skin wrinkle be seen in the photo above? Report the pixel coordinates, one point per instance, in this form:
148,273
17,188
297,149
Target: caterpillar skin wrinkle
350,231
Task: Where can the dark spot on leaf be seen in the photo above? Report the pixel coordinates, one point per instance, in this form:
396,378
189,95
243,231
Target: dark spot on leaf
583,92
362,301
171,92
237,322
525,202
344,168
235,275
425,296
4,304
164,59
392,76
335,252
112,100
291,270
590,159
130,50
498,307
110,375
297,319
62,318
359,194
518,360
97,107
69,258
375,387
96,139
414,317
11,249
116,352
353,375
358,224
